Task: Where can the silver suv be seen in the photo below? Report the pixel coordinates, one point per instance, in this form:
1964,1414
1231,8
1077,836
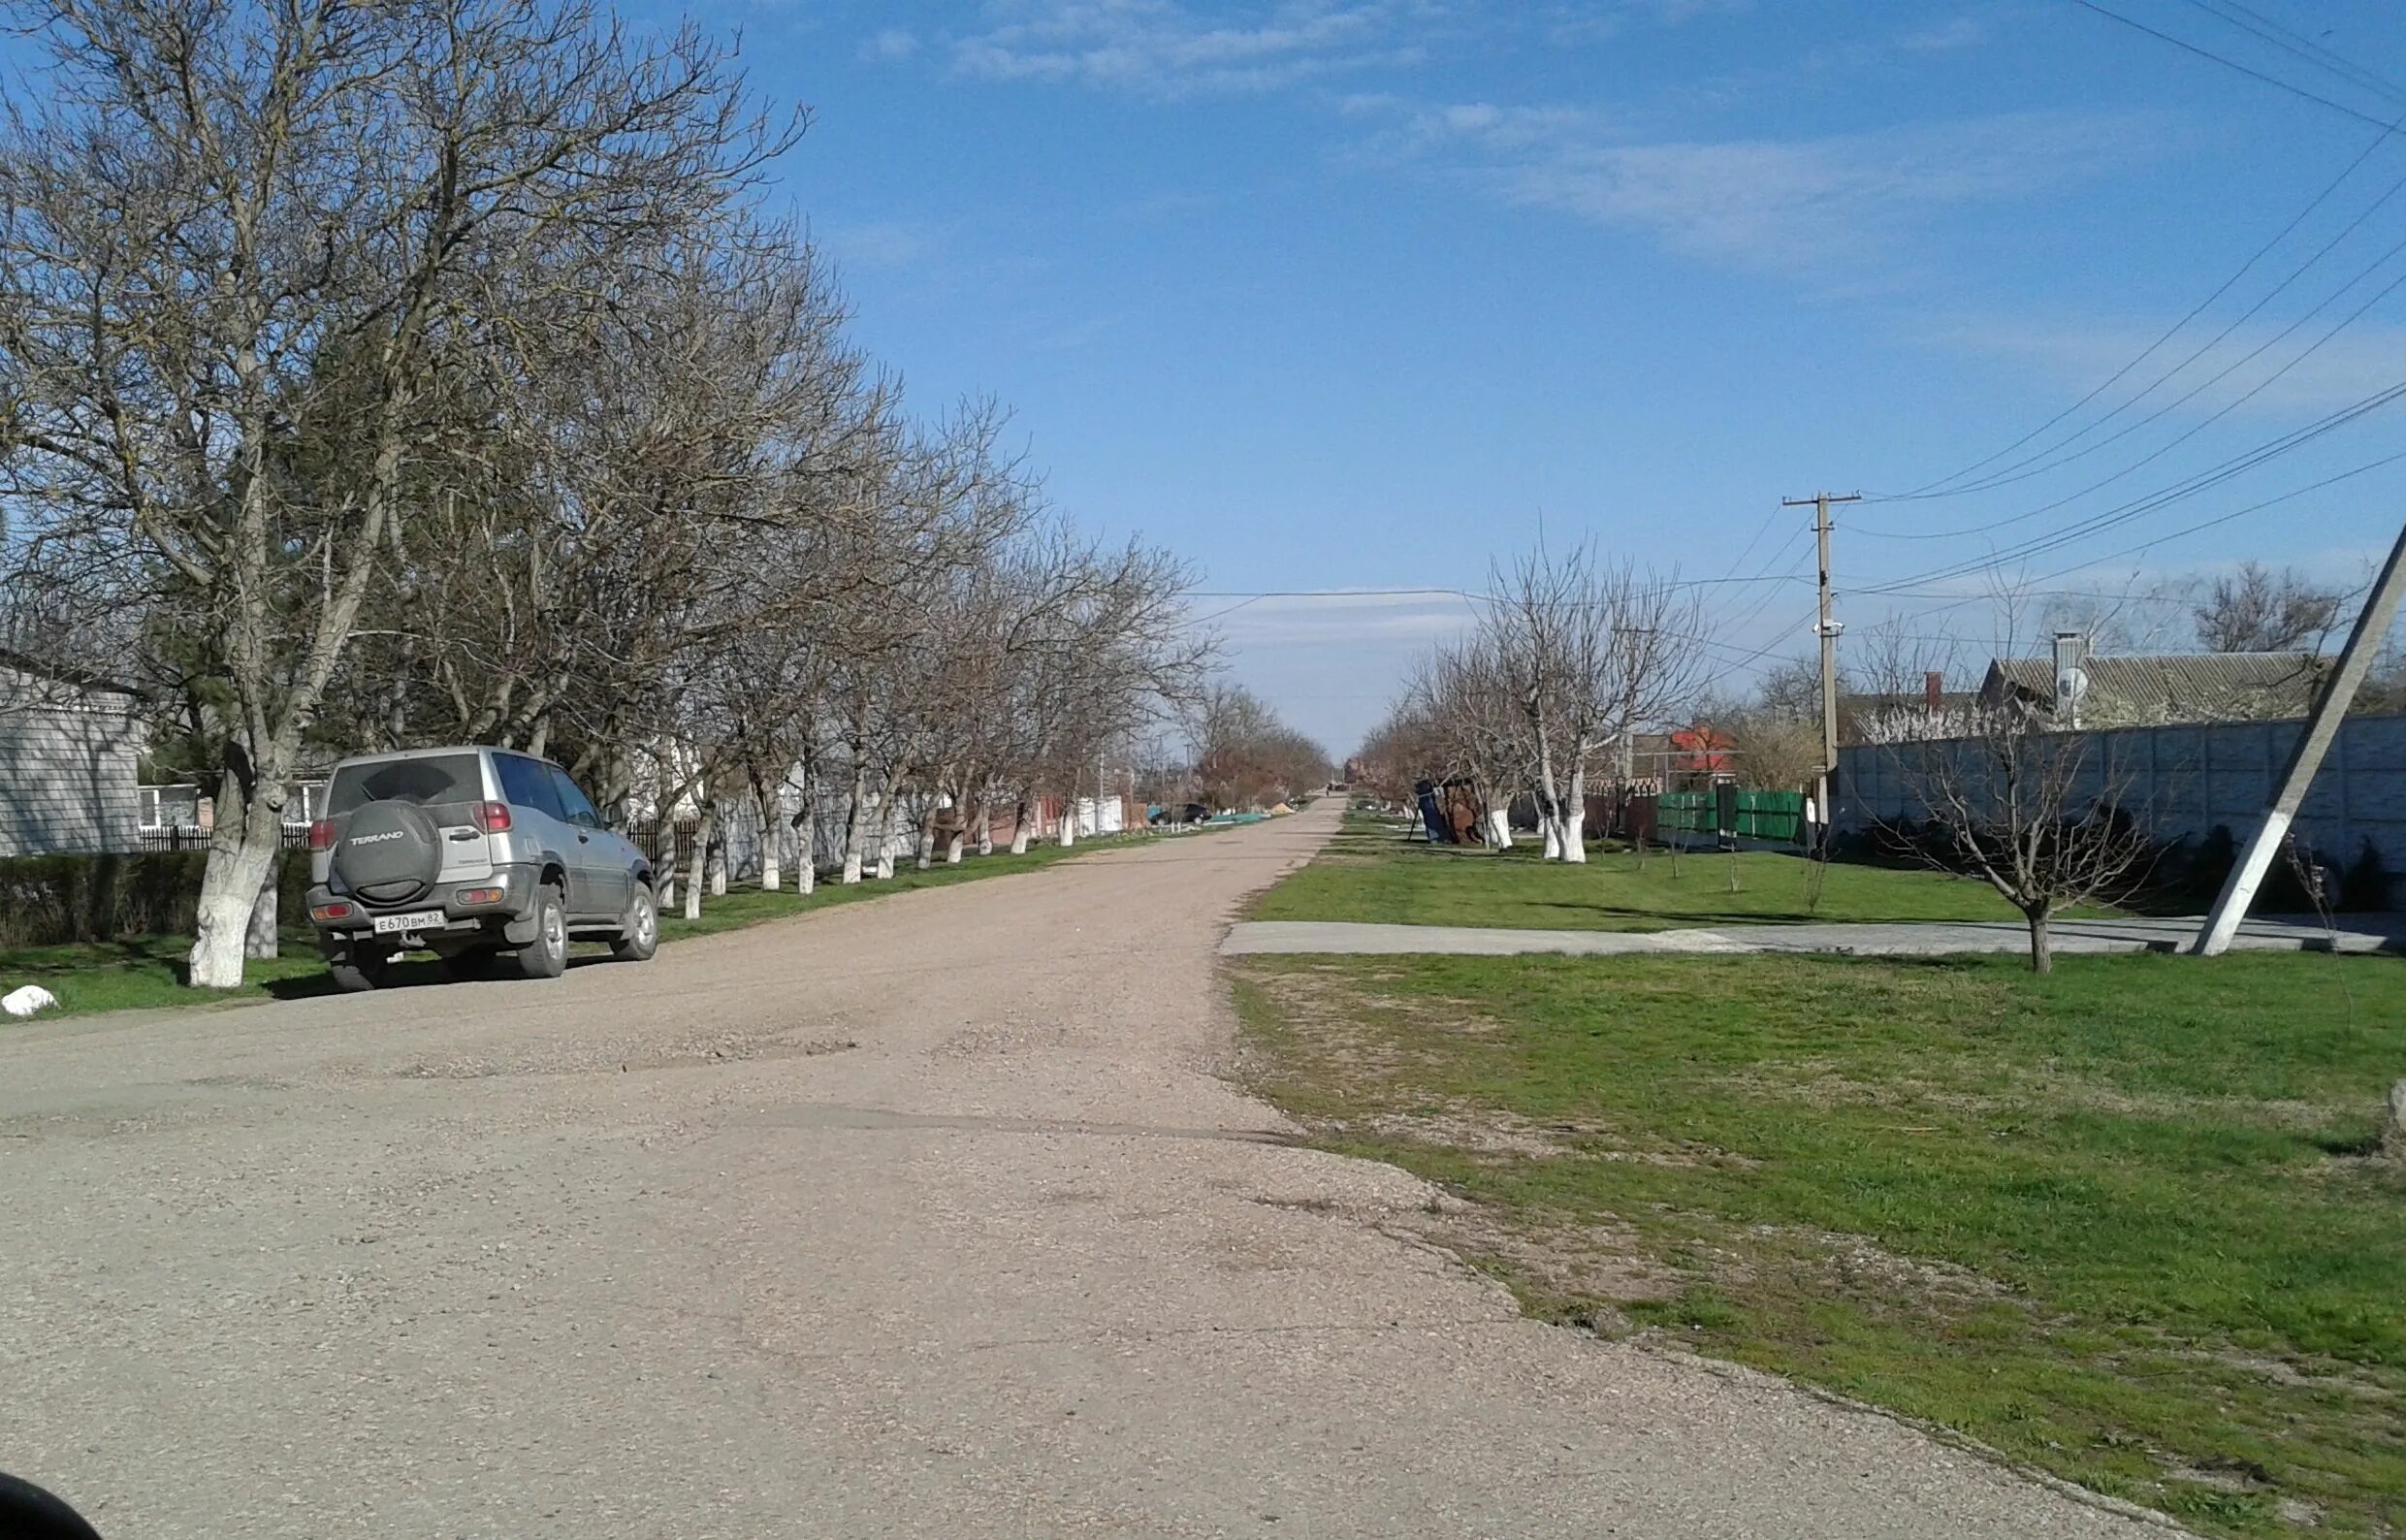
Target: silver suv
490,858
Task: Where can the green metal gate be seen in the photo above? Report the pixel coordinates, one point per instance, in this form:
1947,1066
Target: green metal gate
1772,816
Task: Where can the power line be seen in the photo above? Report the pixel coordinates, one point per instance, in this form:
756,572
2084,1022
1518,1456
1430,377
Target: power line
2163,496
2150,543
2273,80
1926,488
2298,46
2150,457
2017,471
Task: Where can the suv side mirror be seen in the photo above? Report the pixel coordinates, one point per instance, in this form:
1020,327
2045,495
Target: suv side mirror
614,820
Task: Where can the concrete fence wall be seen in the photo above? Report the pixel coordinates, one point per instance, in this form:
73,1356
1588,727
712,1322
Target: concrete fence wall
68,775
2183,782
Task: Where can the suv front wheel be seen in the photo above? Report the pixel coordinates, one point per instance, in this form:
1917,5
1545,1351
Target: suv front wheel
547,955
639,933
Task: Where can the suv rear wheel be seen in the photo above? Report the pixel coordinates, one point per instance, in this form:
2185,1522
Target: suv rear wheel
639,932
358,966
547,955
477,962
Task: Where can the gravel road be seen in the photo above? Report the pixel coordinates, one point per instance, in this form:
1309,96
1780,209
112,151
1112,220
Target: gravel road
931,1216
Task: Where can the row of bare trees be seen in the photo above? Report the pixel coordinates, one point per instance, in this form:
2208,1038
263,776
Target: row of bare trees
376,374
1245,757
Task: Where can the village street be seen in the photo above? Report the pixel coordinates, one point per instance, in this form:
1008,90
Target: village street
929,1216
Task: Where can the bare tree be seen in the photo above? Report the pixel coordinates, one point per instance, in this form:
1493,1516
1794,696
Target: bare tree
2256,609
1469,731
1587,650
2040,817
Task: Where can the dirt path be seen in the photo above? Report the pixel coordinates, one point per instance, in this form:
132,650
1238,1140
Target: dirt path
930,1216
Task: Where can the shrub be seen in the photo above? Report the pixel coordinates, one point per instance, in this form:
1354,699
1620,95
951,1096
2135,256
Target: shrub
52,900
2368,882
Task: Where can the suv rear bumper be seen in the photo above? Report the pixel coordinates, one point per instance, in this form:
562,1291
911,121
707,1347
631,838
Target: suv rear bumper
503,903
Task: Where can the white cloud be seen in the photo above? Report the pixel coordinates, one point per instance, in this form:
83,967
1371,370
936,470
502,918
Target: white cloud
1575,23
1957,32
2077,355
889,46
1836,203
1170,48
877,242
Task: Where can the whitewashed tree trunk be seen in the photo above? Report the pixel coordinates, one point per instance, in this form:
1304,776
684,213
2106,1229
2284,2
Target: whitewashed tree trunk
699,872
668,885
772,841
927,842
857,826
241,856
1022,827
952,848
719,864
1554,835
259,940
985,829
1067,835
1575,820
1500,826
804,833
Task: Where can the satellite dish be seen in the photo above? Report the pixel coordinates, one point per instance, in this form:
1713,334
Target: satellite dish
2071,687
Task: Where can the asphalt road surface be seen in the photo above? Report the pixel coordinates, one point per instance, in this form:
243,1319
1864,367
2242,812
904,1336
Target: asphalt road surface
931,1216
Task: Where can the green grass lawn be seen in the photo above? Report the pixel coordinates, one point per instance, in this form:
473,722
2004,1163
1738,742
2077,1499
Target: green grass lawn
2128,1223
1371,873
148,970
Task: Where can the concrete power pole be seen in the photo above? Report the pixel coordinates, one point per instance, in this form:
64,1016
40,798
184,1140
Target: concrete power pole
2356,660
1827,630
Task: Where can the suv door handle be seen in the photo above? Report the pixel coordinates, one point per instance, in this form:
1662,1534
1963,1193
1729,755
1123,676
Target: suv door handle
584,839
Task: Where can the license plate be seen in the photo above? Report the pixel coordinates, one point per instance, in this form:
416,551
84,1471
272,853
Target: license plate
421,919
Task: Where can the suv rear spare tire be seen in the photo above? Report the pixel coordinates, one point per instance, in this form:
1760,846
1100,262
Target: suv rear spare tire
389,853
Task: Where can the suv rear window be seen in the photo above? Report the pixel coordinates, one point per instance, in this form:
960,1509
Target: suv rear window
435,779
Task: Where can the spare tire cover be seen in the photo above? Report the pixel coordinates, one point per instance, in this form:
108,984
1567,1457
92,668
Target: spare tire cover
389,854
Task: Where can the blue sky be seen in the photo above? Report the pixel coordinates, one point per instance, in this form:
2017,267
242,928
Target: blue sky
1355,294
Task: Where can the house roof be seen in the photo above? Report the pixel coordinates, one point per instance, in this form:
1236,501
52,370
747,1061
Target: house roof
2174,687
58,674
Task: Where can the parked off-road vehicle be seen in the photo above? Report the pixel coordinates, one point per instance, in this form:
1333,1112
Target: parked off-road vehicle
490,858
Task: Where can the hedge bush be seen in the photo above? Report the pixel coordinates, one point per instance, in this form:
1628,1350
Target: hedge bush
52,900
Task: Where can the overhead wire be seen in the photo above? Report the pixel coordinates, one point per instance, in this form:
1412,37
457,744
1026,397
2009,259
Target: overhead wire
1942,486
2163,497
2298,46
2147,459
2274,81
2025,469
1959,601
1928,488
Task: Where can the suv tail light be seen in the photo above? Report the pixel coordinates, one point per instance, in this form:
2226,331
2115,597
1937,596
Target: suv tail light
322,835
493,816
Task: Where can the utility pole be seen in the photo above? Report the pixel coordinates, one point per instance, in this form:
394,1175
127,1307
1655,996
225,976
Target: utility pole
1827,630
2356,660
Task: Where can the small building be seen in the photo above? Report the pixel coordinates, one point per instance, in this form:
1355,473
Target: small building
2078,689
71,747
